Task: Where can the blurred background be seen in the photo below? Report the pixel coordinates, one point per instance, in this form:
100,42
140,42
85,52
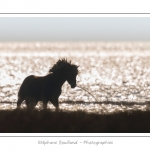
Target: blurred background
74,29
113,55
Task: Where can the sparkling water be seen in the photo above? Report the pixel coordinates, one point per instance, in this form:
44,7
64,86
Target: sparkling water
115,76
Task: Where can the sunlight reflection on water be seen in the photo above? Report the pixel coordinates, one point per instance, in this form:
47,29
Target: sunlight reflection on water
117,74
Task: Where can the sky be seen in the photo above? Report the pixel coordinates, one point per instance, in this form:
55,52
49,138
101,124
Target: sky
74,29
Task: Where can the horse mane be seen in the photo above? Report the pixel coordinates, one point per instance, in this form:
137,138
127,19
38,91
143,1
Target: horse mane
63,64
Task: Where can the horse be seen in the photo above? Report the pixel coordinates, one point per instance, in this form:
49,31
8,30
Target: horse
47,88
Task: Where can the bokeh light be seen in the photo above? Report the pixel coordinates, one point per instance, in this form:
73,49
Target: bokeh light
116,74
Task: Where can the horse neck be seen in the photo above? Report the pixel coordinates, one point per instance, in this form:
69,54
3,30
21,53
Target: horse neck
60,78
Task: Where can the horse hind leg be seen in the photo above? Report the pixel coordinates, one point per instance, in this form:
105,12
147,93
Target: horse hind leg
20,100
30,104
45,104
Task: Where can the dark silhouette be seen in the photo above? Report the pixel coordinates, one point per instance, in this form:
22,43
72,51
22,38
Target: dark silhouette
47,88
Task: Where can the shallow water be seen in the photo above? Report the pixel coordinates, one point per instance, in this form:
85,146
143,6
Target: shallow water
116,74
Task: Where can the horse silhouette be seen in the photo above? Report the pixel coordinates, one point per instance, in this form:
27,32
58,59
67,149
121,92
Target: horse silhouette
47,88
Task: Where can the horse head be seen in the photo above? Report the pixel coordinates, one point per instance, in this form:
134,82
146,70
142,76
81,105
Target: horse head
71,75
68,70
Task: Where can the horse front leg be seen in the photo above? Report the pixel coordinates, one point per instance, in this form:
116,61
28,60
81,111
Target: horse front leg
55,103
